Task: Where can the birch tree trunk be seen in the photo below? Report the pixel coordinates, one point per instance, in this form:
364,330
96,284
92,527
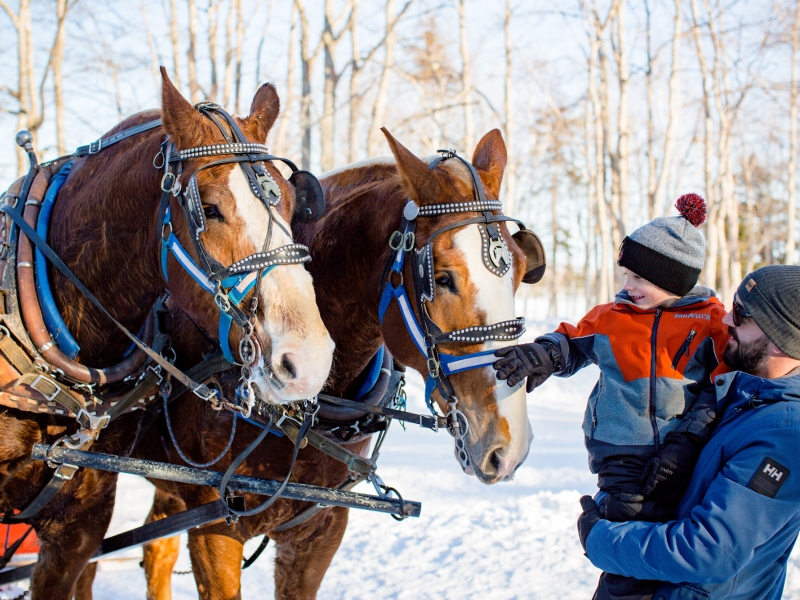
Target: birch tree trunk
712,253
511,167
355,86
176,42
466,80
657,179
194,87
57,59
379,107
330,42
239,45
227,89
287,110
213,27
791,219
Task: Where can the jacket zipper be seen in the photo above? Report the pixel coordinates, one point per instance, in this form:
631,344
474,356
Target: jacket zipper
684,348
653,422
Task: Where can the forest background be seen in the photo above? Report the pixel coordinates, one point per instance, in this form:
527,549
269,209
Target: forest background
610,109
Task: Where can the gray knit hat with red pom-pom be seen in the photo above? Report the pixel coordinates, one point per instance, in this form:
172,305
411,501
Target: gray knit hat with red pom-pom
669,251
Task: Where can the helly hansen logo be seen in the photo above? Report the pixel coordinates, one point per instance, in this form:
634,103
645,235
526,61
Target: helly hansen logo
773,472
769,477
693,316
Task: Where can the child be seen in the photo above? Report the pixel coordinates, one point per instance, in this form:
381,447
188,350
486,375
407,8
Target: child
656,345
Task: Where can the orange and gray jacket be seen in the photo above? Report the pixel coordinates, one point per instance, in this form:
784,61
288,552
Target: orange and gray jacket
653,365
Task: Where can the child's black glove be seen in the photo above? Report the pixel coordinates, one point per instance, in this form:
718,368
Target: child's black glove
526,360
588,519
667,475
632,507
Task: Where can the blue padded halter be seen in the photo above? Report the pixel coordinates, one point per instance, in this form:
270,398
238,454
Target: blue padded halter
53,321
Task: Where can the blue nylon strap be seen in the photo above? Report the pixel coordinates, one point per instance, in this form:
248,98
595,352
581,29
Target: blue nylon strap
373,372
53,321
238,286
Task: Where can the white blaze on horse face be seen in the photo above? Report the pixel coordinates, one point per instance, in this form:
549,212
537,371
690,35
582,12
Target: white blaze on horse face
495,297
301,349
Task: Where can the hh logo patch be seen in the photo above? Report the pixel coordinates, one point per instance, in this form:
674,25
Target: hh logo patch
769,478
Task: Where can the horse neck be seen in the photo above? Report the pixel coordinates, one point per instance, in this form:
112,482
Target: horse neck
104,228
350,249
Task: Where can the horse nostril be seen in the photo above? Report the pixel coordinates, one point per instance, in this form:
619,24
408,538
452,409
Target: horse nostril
288,365
494,460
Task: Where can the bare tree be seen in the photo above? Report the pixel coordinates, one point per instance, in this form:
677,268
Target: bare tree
466,79
509,124
657,179
791,224
194,87
330,40
30,97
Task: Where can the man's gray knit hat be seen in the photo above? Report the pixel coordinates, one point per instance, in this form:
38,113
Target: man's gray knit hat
669,251
772,297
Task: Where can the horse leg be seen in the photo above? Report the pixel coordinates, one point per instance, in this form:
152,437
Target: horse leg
216,553
66,547
302,560
160,556
83,589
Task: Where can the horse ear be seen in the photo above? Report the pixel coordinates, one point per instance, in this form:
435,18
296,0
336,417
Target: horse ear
490,160
180,120
263,112
421,183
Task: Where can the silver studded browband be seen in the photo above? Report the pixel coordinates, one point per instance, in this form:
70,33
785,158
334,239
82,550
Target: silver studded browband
431,210
216,149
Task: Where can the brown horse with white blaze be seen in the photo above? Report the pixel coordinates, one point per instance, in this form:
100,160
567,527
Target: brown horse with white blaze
467,293
350,249
105,226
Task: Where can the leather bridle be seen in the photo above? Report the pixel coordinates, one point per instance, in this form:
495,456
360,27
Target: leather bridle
427,335
228,284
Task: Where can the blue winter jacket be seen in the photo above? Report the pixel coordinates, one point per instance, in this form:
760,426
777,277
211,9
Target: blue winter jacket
740,516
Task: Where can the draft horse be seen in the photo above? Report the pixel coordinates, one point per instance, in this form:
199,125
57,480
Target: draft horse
468,303
120,223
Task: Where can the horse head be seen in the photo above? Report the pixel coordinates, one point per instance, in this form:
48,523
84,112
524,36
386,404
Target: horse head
469,272
242,220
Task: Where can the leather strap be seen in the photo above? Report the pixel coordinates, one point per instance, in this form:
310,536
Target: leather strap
354,462
102,143
198,388
427,421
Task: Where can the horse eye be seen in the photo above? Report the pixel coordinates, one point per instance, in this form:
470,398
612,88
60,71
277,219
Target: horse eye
444,280
212,212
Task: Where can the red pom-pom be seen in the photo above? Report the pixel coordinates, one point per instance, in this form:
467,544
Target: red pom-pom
692,208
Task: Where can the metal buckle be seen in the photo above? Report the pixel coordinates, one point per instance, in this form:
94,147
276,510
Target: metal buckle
65,471
396,240
92,422
409,240
98,144
222,301
50,396
433,366
172,179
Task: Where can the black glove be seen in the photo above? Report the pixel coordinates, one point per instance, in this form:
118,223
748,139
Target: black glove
526,360
632,507
588,519
667,475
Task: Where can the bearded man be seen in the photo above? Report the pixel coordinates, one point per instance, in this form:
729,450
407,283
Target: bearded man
739,519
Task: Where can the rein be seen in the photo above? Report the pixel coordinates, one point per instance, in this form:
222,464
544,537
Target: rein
427,336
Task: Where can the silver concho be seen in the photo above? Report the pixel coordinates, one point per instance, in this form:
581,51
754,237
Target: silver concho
495,253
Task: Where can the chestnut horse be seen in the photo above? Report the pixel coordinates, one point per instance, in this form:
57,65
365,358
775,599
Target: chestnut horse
350,249
105,226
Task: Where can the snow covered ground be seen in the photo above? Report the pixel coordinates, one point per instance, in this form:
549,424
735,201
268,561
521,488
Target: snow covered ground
514,540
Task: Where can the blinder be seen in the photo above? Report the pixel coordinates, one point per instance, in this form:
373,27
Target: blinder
535,257
309,195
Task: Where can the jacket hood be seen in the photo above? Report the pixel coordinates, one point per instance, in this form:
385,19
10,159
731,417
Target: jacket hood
697,295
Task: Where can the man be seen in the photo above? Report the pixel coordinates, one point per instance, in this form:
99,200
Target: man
740,516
